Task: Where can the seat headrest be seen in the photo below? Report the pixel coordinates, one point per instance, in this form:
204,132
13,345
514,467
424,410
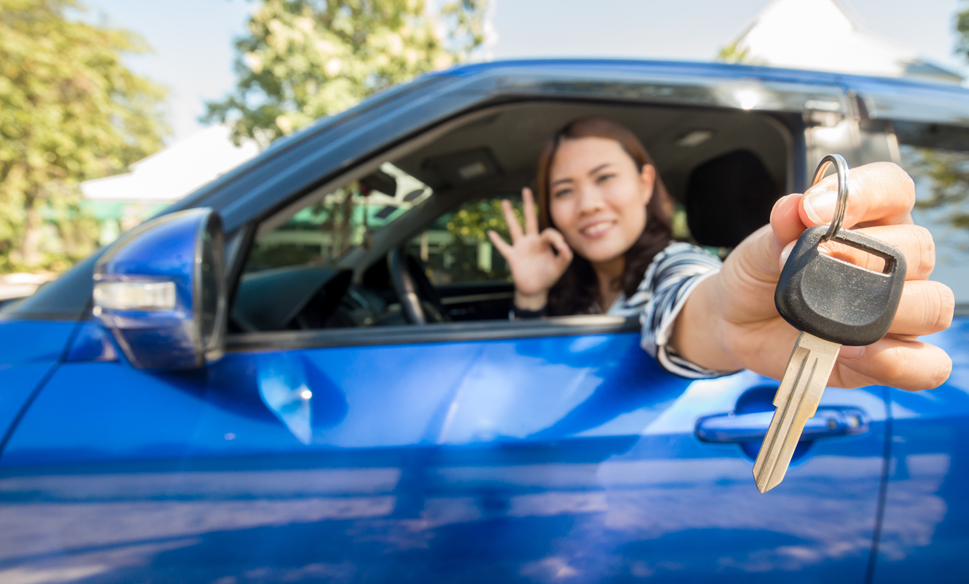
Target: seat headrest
728,198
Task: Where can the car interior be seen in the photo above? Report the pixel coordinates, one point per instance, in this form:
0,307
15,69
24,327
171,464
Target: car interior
403,239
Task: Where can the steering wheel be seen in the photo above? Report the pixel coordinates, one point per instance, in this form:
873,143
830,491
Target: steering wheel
419,300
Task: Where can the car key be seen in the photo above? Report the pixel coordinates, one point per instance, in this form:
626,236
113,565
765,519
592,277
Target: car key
832,303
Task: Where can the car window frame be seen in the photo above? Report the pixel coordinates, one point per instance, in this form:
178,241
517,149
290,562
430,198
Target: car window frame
421,215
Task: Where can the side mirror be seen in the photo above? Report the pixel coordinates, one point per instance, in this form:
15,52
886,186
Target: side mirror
160,291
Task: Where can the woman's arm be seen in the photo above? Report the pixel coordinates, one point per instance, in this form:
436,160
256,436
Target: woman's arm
729,321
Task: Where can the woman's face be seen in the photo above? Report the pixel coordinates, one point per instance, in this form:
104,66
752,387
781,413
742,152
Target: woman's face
597,198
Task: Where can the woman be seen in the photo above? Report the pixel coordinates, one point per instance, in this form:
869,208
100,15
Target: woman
605,246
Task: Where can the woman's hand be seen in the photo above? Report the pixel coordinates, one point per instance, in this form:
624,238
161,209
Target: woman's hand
535,267
737,305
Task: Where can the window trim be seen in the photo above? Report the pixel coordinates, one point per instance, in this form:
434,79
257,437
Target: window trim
483,297
486,330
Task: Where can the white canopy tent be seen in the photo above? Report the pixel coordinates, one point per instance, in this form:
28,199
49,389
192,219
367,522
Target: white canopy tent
821,35
174,172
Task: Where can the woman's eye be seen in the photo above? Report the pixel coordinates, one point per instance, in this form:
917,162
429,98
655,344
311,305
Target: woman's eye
561,193
603,178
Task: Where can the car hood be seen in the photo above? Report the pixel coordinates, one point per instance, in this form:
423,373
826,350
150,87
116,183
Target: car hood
33,341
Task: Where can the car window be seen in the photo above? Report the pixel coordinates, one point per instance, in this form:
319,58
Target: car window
937,158
328,226
456,249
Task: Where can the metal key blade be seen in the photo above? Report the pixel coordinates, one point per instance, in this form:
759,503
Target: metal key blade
796,401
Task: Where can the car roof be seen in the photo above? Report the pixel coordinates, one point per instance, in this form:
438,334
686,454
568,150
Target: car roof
699,69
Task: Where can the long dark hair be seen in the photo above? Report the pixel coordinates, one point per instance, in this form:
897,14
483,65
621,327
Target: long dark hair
577,290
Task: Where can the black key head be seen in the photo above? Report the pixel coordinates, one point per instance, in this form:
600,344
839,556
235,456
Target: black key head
834,300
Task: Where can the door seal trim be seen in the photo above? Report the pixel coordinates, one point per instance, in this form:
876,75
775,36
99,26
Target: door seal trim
562,326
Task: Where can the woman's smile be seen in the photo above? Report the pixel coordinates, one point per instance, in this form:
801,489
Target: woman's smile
597,228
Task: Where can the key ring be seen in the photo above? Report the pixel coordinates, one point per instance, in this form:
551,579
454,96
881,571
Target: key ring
840,167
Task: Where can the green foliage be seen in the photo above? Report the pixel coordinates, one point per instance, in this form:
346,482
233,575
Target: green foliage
962,27
732,53
305,59
468,228
69,111
942,183
474,220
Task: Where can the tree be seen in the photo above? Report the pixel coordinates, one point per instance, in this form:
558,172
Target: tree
468,228
70,111
305,59
962,27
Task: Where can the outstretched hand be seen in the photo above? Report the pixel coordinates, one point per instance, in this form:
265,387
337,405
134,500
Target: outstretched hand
730,321
537,260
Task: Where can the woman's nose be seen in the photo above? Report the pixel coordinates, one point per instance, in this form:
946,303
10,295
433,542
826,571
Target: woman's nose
590,200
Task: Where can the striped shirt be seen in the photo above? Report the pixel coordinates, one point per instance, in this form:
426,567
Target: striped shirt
673,274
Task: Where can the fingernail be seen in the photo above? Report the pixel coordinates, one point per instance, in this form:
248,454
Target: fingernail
819,206
778,204
786,252
851,353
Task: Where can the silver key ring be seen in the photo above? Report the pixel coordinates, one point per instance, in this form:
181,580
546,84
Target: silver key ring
840,167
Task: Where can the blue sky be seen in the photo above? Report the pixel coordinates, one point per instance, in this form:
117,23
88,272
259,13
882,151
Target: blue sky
193,48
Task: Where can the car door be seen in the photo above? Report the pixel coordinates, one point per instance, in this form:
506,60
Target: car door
926,515
526,451
529,452
476,451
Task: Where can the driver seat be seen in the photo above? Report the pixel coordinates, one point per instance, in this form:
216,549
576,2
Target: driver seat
728,198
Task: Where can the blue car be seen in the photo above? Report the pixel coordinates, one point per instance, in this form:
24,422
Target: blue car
305,371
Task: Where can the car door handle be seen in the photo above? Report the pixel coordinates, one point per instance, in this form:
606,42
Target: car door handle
828,422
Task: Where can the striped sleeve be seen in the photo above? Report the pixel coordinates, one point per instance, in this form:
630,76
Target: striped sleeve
671,277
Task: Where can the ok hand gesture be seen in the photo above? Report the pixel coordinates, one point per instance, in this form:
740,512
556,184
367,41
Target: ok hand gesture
537,260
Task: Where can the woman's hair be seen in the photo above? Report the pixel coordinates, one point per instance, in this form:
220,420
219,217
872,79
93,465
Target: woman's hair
577,289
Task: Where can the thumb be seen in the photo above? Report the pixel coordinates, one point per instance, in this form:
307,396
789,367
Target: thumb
556,240
760,254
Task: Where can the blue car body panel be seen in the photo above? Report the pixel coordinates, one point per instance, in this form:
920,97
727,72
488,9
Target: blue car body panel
927,506
29,350
517,460
17,385
27,341
91,342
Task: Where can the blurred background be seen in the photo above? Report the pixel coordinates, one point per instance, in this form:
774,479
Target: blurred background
110,110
